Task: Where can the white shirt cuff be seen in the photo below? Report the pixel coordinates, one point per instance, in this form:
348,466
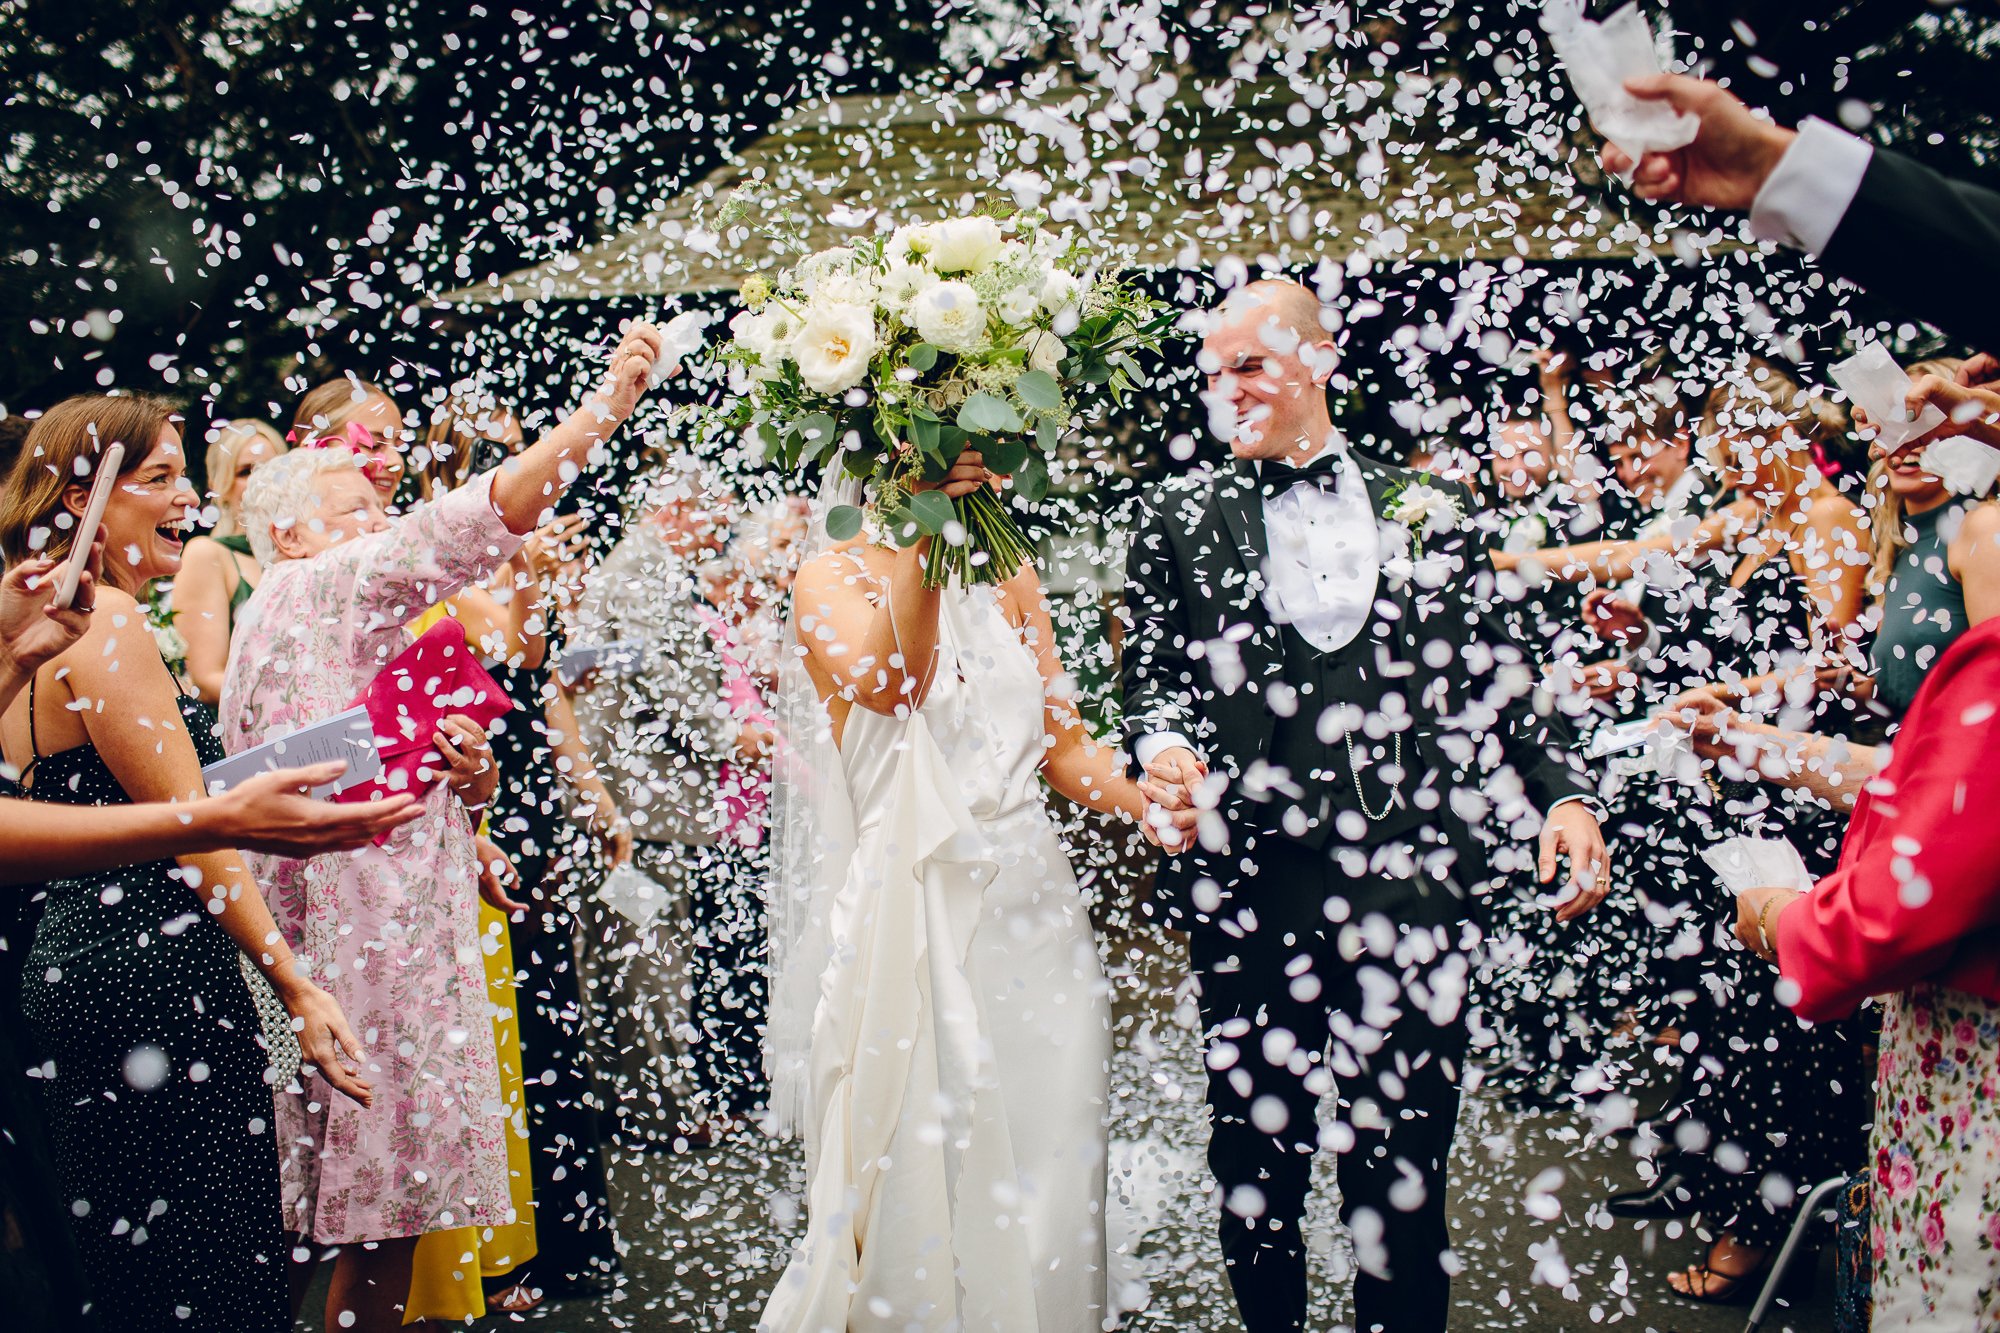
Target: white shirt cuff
1809,191
1590,803
1149,748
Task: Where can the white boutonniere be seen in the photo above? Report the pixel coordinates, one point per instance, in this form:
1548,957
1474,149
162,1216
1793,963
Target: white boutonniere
1423,510
1529,532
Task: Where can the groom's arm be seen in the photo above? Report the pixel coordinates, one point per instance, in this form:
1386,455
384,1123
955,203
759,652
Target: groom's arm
1155,670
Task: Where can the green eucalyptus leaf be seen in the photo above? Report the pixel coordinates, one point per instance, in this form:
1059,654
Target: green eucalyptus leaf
843,522
1031,483
932,510
1006,454
988,412
1039,390
922,357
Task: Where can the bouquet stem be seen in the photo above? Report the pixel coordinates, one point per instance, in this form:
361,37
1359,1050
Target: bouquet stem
994,548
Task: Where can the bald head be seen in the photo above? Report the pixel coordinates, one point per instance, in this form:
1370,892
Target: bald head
1285,313
1268,357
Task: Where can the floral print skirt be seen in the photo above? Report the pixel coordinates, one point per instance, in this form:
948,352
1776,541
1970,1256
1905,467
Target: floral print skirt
1937,1162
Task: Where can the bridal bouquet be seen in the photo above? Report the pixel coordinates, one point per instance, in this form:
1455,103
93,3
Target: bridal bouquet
890,354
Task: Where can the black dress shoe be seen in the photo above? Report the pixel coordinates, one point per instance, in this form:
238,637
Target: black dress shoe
1669,1196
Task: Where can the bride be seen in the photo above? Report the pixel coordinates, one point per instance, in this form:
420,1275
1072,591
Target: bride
940,1025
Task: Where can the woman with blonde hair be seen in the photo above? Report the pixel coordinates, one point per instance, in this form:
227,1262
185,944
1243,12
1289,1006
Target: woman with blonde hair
218,571
358,415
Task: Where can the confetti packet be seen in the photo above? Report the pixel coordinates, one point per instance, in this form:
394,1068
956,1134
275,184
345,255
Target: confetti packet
1872,380
1963,464
1600,57
634,895
1754,863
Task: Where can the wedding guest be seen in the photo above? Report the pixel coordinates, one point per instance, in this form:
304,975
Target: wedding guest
1935,560
359,415
1913,913
218,572
511,619
394,928
658,728
1872,216
135,986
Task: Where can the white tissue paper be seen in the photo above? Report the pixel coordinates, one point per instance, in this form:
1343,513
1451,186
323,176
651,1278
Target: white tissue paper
633,895
1757,863
1963,464
1599,58
1871,379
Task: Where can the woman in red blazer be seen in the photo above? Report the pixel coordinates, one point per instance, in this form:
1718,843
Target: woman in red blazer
1913,912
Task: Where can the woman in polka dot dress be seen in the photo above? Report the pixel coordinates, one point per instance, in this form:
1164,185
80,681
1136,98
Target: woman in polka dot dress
153,1064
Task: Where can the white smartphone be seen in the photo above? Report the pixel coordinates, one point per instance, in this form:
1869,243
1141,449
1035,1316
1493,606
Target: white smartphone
86,531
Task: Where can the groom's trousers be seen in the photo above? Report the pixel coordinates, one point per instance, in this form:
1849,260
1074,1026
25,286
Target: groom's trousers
1334,969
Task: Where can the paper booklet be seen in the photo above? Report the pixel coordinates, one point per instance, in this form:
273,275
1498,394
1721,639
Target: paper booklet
609,659
634,895
1756,863
347,735
1599,58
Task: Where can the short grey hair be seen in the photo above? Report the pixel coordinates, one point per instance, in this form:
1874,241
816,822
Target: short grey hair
282,489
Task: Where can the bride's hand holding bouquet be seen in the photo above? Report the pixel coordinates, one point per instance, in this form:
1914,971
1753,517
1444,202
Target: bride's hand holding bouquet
891,357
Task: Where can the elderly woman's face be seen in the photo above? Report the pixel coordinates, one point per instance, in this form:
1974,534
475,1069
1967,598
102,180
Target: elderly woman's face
345,505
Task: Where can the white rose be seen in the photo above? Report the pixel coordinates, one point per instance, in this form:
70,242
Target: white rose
1019,305
1425,510
1045,350
965,245
846,289
948,316
909,244
1060,290
900,284
832,347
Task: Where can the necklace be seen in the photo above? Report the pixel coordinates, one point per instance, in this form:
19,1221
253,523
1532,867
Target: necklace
1395,788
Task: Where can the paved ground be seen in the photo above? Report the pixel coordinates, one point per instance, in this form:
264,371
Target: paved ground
705,1233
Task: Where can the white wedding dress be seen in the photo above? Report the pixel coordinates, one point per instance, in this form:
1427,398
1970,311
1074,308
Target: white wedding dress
955,1107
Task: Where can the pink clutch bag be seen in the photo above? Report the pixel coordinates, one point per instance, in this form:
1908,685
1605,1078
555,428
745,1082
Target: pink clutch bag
434,677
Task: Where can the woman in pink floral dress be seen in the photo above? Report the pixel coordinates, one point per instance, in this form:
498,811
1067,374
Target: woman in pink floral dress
391,931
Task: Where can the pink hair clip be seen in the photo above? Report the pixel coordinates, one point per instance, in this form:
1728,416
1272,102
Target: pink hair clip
353,435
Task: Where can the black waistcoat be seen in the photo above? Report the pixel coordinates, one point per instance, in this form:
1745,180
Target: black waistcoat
1321,802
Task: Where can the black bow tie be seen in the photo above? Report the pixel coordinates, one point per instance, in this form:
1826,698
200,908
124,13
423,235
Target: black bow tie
1274,478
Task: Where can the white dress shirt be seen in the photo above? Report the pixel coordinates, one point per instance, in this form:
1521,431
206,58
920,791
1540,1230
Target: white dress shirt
1322,567
1806,195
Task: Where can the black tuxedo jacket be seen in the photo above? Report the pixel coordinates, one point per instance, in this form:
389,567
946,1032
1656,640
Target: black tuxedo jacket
1201,649
1925,241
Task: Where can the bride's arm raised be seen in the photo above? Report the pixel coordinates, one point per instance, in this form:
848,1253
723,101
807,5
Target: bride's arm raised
868,621
1075,763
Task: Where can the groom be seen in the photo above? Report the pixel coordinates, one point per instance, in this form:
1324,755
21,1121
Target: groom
1311,680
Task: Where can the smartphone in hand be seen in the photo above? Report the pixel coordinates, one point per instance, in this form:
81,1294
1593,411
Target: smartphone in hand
108,465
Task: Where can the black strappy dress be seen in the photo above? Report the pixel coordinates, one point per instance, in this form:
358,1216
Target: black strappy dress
158,1114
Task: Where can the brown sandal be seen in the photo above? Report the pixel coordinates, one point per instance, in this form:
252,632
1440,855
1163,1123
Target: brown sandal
1713,1286
516,1299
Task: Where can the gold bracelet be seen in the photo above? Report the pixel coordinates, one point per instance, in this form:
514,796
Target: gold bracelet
1764,930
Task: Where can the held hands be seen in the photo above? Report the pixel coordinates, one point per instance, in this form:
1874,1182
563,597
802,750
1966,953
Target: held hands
1757,913
273,813
1571,830
1174,803
1731,157
1969,409
468,761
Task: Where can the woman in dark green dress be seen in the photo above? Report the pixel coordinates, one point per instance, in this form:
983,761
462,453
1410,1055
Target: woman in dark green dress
218,573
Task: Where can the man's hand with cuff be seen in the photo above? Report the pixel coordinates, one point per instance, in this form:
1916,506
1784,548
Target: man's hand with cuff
1173,771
